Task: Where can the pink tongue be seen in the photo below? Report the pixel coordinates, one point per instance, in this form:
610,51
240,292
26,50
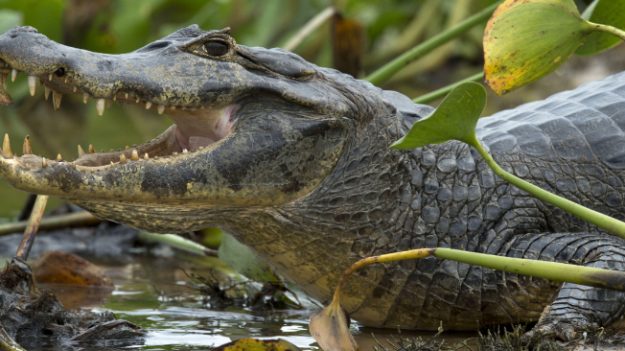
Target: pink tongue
202,128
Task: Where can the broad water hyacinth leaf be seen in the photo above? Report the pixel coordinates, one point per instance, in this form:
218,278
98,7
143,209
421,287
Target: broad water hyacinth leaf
527,39
611,12
454,119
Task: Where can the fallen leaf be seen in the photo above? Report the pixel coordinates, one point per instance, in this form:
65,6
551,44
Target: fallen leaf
57,267
249,344
330,328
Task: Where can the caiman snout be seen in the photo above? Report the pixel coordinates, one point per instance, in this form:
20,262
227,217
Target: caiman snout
235,141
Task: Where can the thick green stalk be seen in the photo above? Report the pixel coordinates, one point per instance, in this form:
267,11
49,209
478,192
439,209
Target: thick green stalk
608,29
599,219
388,70
561,272
424,99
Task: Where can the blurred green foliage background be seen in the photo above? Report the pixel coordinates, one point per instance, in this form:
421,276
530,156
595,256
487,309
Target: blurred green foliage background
388,28
114,26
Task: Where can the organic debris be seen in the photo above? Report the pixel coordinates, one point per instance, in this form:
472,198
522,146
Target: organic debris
35,319
222,288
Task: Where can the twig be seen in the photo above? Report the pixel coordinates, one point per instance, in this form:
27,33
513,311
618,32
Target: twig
309,27
52,222
31,229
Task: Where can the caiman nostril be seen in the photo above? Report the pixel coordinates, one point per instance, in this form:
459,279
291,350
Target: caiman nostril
60,72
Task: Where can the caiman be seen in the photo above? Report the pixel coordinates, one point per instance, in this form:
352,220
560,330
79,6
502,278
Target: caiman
294,160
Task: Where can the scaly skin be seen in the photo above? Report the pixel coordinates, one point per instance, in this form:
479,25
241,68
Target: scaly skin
306,178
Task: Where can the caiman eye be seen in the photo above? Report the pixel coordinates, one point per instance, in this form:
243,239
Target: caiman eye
216,48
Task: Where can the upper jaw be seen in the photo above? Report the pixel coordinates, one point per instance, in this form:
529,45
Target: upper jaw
126,78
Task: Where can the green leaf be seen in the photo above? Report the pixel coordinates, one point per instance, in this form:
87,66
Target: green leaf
454,119
525,41
610,12
244,260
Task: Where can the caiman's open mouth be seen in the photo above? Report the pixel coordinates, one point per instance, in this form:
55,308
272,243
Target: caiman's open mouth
195,127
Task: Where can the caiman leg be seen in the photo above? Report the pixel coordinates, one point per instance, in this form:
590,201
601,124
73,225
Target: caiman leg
575,307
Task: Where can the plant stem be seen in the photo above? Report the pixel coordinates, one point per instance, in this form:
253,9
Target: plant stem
414,254
52,222
556,271
601,220
608,29
388,70
309,27
424,99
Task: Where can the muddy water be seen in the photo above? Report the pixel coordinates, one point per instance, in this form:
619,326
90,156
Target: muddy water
158,294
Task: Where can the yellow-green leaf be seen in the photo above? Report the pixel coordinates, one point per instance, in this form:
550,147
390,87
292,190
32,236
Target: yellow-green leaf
527,39
610,12
250,344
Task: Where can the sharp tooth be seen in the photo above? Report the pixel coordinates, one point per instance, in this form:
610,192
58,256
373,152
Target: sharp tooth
146,156
32,85
44,162
135,155
66,80
148,105
126,96
50,77
91,149
56,99
13,75
122,158
85,98
81,151
137,100
27,149
161,109
100,105
114,97
46,92
185,151
59,157
6,146
74,90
